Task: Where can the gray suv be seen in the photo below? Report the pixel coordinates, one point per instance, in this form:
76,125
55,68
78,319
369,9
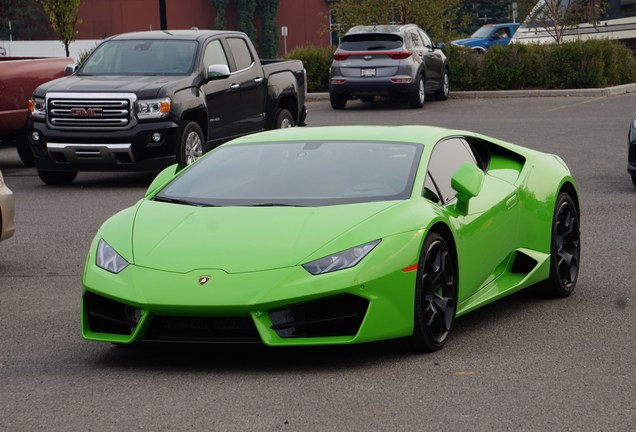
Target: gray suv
388,60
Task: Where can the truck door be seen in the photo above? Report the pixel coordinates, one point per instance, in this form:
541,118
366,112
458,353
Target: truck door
223,108
248,82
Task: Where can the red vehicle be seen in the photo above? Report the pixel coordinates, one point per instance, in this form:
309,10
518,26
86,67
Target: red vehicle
19,76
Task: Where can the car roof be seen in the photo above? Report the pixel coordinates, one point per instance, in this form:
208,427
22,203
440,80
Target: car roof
191,34
380,28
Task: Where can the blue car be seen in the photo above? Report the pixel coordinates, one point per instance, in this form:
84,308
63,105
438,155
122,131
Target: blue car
489,35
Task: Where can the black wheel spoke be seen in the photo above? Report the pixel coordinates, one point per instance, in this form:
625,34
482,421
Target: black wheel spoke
567,244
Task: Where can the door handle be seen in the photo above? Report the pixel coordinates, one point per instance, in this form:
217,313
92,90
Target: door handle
258,80
234,86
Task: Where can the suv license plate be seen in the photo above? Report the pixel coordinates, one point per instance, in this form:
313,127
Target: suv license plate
368,72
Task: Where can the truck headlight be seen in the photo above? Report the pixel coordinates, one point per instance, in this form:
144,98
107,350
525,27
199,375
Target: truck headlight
108,258
37,108
151,109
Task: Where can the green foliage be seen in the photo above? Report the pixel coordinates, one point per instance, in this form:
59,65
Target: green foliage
581,64
317,62
268,40
83,54
27,20
64,19
246,10
220,6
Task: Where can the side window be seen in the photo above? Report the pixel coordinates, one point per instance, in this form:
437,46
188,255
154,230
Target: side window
447,156
241,53
426,39
214,54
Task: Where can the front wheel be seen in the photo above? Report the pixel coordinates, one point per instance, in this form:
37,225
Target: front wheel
191,146
634,178
564,250
435,296
418,96
57,178
442,93
284,119
24,150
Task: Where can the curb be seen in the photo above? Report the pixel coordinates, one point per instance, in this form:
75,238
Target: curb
491,94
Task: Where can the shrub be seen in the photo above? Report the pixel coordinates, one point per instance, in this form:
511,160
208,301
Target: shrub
317,62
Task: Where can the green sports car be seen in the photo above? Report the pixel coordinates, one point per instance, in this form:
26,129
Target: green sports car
334,235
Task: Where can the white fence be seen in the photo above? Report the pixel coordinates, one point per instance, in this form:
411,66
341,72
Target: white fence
46,48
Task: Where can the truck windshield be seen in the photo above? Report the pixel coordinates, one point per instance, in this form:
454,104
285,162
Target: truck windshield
141,57
482,32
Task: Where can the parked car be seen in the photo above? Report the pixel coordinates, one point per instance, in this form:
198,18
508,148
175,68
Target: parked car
142,101
631,150
388,60
19,76
488,36
7,211
333,235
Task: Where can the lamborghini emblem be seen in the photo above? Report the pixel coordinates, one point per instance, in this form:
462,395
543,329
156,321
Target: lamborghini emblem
204,279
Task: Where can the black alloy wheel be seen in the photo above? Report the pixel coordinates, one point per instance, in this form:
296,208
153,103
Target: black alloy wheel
435,296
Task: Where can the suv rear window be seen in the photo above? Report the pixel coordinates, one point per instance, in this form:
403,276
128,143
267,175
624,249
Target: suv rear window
370,42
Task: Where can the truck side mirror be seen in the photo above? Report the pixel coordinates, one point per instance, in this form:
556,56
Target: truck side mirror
218,71
467,181
70,69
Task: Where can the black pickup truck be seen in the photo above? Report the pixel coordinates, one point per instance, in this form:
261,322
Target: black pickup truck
142,101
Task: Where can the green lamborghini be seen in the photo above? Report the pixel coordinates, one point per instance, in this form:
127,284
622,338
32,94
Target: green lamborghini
334,235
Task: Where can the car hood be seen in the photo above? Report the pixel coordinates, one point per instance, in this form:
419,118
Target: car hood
143,86
181,238
467,41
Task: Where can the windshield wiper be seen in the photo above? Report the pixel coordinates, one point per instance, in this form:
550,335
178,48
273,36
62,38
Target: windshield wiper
181,201
275,204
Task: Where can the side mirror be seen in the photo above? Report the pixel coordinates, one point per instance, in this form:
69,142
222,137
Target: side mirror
467,181
440,45
70,69
162,178
218,71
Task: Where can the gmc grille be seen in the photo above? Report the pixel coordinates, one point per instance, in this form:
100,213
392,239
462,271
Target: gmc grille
102,113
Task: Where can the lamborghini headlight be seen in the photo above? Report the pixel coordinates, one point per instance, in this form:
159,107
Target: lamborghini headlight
341,260
152,109
108,259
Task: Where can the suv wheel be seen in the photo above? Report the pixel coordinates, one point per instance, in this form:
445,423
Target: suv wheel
442,93
417,98
338,102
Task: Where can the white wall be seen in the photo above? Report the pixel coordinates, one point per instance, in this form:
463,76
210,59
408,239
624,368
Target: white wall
47,48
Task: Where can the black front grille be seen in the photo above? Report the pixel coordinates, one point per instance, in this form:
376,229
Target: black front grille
110,316
202,329
89,113
334,316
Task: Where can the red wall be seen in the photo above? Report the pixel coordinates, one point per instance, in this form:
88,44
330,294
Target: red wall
306,20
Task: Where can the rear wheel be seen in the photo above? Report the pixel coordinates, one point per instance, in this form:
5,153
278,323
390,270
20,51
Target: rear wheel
435,296
338,102
565,249
191,145
57,177
442,93
284,119
418,96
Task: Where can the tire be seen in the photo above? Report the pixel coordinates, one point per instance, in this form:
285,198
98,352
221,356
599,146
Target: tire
284,119
442,94
367,99
565,249
634,178
24,151
435,296
191,147
57,178
338,102
418,96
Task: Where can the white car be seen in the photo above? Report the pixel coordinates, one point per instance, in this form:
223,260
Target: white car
7,210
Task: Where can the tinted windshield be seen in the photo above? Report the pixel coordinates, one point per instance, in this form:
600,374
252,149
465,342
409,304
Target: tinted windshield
298,174
370,42
141,57
482,32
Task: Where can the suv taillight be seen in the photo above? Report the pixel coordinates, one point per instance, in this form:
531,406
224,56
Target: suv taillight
400,55
340,56
395,55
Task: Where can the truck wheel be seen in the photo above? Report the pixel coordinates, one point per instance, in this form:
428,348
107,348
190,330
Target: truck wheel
191,146
57,177
338,102
24,151
284,119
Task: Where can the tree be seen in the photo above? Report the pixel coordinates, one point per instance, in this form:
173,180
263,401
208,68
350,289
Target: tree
269,32
436,17
26,19
220,6
64,18
558,16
